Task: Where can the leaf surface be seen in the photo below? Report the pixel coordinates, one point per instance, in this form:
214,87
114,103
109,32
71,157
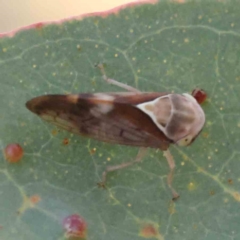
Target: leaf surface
162,47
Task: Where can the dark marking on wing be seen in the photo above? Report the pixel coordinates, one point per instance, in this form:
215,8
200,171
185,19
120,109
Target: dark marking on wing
115,121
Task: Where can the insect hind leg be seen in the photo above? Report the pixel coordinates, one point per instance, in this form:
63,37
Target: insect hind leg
171,164
141,153
116,83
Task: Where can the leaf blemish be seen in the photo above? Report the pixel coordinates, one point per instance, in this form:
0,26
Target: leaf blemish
236,196
54,132
192,186
28,202
79,47
171,208
93,151
212,192
150,231
35,199
205,134
39,25
65,141
230,181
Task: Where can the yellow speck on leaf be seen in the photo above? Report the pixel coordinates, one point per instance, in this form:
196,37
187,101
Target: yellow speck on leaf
192,186
236,196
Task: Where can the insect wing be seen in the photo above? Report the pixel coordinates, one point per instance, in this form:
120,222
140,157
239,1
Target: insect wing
106,117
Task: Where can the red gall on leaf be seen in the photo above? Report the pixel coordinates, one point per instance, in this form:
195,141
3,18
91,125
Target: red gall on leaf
75,227
149,231
200,95
13,153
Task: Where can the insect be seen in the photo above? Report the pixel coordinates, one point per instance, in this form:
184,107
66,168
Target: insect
134,118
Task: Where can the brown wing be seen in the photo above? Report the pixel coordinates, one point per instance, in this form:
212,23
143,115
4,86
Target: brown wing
107,117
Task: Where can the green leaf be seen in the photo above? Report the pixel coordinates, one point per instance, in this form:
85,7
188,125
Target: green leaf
162,47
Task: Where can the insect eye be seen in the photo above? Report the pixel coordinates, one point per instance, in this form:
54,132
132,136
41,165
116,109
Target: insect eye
184,141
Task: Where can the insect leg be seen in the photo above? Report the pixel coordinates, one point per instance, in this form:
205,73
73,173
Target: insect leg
140,155
171,164
116,83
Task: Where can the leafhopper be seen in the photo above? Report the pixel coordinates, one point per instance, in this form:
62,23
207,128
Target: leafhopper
133,118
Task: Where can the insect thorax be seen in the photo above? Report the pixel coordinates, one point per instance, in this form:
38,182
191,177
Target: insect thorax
176,115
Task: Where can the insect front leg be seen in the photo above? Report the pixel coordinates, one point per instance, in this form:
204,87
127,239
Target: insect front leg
171,164
139,157
116,83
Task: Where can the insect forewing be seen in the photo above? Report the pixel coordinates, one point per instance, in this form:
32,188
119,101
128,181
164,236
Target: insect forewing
111,118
